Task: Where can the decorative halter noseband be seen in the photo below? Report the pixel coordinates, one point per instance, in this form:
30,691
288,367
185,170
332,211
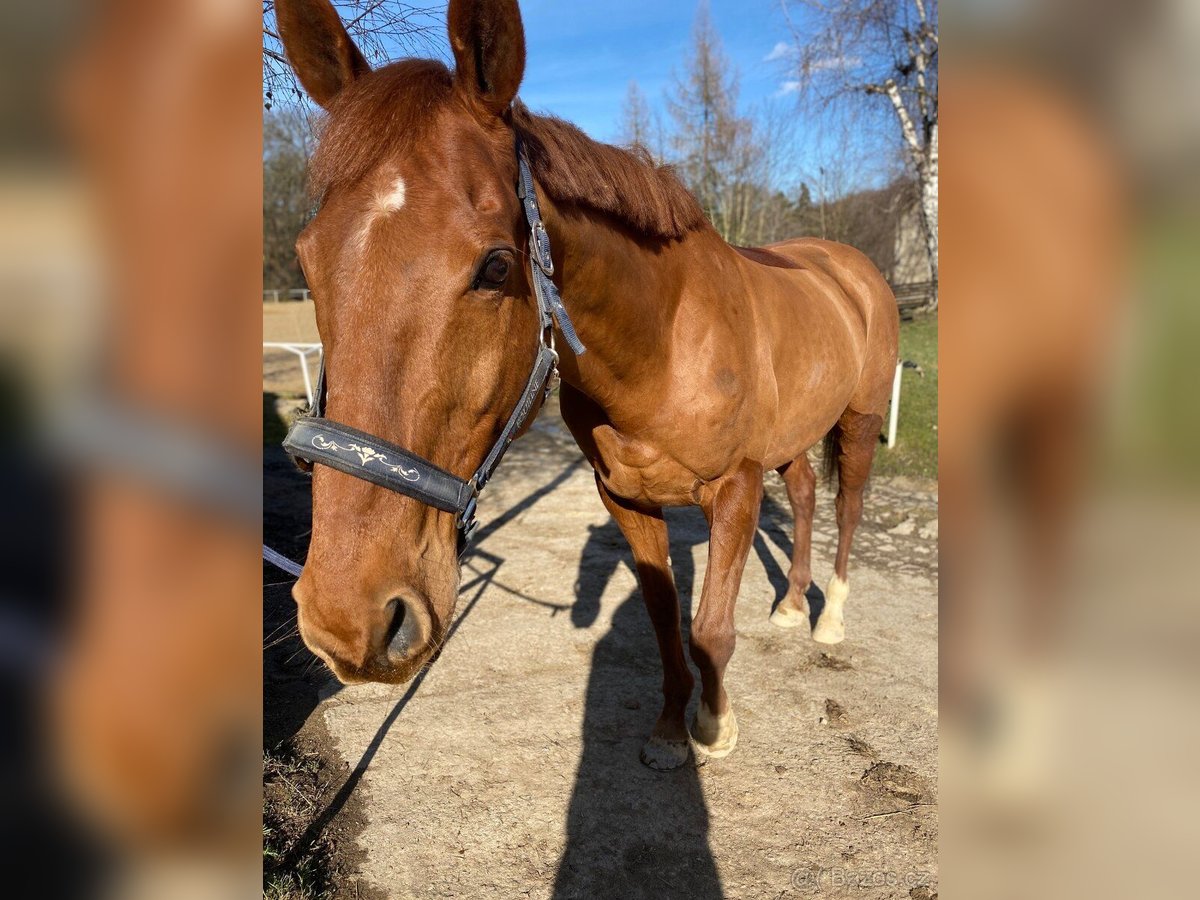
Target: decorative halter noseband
316,439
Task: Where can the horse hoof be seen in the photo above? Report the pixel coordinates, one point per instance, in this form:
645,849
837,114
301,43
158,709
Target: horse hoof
714,736
786,616
662,755
831,628
829,631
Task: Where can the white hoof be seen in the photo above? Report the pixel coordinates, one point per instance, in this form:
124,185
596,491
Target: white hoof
829,631
831,627
787,616
662,755
714,736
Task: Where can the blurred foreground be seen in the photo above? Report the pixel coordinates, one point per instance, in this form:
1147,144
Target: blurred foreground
1068,462
130,650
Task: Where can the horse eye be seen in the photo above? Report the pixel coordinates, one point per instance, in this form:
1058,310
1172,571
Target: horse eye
494,272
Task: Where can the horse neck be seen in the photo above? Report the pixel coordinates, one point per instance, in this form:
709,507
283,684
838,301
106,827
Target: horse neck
621,293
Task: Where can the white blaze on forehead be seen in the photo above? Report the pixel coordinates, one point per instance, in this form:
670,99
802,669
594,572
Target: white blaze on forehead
388,199
392,198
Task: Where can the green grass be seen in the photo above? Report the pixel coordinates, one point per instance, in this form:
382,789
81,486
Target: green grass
916,450
1155,422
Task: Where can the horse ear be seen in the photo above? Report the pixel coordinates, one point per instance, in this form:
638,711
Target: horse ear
489,50
320,50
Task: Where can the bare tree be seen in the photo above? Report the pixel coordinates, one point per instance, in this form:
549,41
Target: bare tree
640,127
383,30
883,53
715,147
287,144
774,214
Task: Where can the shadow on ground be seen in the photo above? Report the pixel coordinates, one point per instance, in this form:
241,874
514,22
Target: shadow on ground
615,845
293,679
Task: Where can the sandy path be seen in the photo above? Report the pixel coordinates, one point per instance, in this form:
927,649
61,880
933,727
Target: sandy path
512,769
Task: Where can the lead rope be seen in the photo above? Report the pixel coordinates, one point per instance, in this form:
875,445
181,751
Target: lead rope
279,561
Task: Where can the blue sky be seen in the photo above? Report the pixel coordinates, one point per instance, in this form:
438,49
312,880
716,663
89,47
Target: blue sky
581,57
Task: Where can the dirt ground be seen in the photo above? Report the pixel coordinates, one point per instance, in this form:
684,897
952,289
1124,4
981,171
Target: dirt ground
511,768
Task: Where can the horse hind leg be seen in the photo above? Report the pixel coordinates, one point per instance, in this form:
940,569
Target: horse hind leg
801,483
854,440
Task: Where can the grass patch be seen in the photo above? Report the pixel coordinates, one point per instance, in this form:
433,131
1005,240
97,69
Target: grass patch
294,781
916,450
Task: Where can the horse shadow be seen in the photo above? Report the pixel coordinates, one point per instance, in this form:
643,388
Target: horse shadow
631,831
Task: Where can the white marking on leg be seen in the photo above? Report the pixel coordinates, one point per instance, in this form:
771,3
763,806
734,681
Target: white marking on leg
715,735
831,628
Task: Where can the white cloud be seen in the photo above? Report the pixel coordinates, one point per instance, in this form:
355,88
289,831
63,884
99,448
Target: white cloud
782,50
787,87
837,62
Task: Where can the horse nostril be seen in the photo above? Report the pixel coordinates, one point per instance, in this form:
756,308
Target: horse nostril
401,629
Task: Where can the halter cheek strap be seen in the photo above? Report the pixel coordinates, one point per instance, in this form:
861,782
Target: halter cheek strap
316,439
548,299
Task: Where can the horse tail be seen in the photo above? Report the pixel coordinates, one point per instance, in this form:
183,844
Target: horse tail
829,456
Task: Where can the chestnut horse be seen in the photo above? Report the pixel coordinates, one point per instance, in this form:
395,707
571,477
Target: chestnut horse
706,365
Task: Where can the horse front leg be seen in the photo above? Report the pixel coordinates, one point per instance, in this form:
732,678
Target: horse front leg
731,506
646,532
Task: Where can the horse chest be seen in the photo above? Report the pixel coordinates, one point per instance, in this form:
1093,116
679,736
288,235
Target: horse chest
662,451
640,471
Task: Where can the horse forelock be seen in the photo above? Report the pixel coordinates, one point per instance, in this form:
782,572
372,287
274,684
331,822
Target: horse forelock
377,116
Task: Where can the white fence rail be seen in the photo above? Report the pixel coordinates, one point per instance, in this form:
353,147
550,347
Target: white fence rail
894,415
274,294
301,352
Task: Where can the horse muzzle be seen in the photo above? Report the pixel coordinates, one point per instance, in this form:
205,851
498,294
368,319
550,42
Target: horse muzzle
388,645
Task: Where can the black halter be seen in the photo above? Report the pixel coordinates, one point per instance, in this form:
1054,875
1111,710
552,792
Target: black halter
317,439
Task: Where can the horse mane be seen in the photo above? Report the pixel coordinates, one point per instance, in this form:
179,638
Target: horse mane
391,107
624,183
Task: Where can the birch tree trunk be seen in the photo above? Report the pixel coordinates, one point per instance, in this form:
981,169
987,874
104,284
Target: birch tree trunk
924,159
929,209
850,49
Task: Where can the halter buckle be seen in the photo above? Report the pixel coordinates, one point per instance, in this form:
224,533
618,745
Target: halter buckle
465,520
540,241
466,534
